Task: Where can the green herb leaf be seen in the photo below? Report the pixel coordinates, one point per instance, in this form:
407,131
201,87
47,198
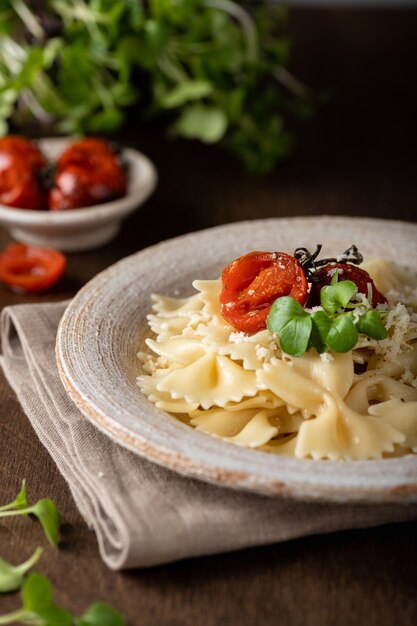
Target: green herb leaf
45,510
336,296
48,515
371,324
342,335
55,616
19,502
186,91
37,599
100,614
37,593
321,326
291,323
206,123
11,576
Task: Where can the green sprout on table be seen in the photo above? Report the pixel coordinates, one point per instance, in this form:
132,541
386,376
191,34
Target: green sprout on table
44,510
38,608
12,576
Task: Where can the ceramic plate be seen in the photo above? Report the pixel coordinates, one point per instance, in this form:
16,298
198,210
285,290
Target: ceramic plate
105,325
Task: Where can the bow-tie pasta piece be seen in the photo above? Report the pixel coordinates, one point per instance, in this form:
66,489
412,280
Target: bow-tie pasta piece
209,296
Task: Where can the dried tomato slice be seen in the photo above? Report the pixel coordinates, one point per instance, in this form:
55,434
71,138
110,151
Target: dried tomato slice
31,269
347,271
251,283
20,166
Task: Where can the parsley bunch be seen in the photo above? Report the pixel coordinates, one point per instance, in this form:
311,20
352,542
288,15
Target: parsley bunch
336,325
214,69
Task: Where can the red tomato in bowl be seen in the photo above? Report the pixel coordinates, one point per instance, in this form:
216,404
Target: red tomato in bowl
31,269
87,151
251,284
88,172
21,163
20,145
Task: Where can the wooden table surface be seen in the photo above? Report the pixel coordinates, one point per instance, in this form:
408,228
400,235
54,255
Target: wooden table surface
357,157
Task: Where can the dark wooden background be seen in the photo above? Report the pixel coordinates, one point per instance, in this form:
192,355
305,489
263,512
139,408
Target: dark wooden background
357,157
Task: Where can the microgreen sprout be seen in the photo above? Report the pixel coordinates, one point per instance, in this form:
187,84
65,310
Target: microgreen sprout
44,510
216,69
37,605
100,614
11,576
335,326
38,609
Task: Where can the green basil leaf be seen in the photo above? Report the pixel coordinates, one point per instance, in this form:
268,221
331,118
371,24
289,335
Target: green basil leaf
320,329
371,324
291,323
11,576
101,614
334,297
343,335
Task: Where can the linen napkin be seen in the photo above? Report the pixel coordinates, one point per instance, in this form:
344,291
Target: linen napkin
143,514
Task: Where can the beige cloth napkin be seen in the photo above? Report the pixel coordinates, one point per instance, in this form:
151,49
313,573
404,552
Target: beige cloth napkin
142,514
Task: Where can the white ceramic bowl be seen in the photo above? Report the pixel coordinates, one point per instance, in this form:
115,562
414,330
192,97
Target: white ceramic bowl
85,228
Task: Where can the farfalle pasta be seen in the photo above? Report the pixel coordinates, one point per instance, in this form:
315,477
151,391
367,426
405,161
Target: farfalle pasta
355,405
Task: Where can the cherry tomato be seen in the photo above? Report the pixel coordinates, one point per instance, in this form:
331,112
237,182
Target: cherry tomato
347,271
30,269
251,284
85,151
24,147
87,173
20,165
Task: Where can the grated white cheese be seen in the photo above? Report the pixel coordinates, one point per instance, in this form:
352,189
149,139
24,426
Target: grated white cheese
360,297
331,272
238,337
397,324
326,357
262,353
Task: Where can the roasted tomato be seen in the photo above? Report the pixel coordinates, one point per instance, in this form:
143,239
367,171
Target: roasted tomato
31,269
87,151
24,147
347,271
88,173
251,284
20,166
